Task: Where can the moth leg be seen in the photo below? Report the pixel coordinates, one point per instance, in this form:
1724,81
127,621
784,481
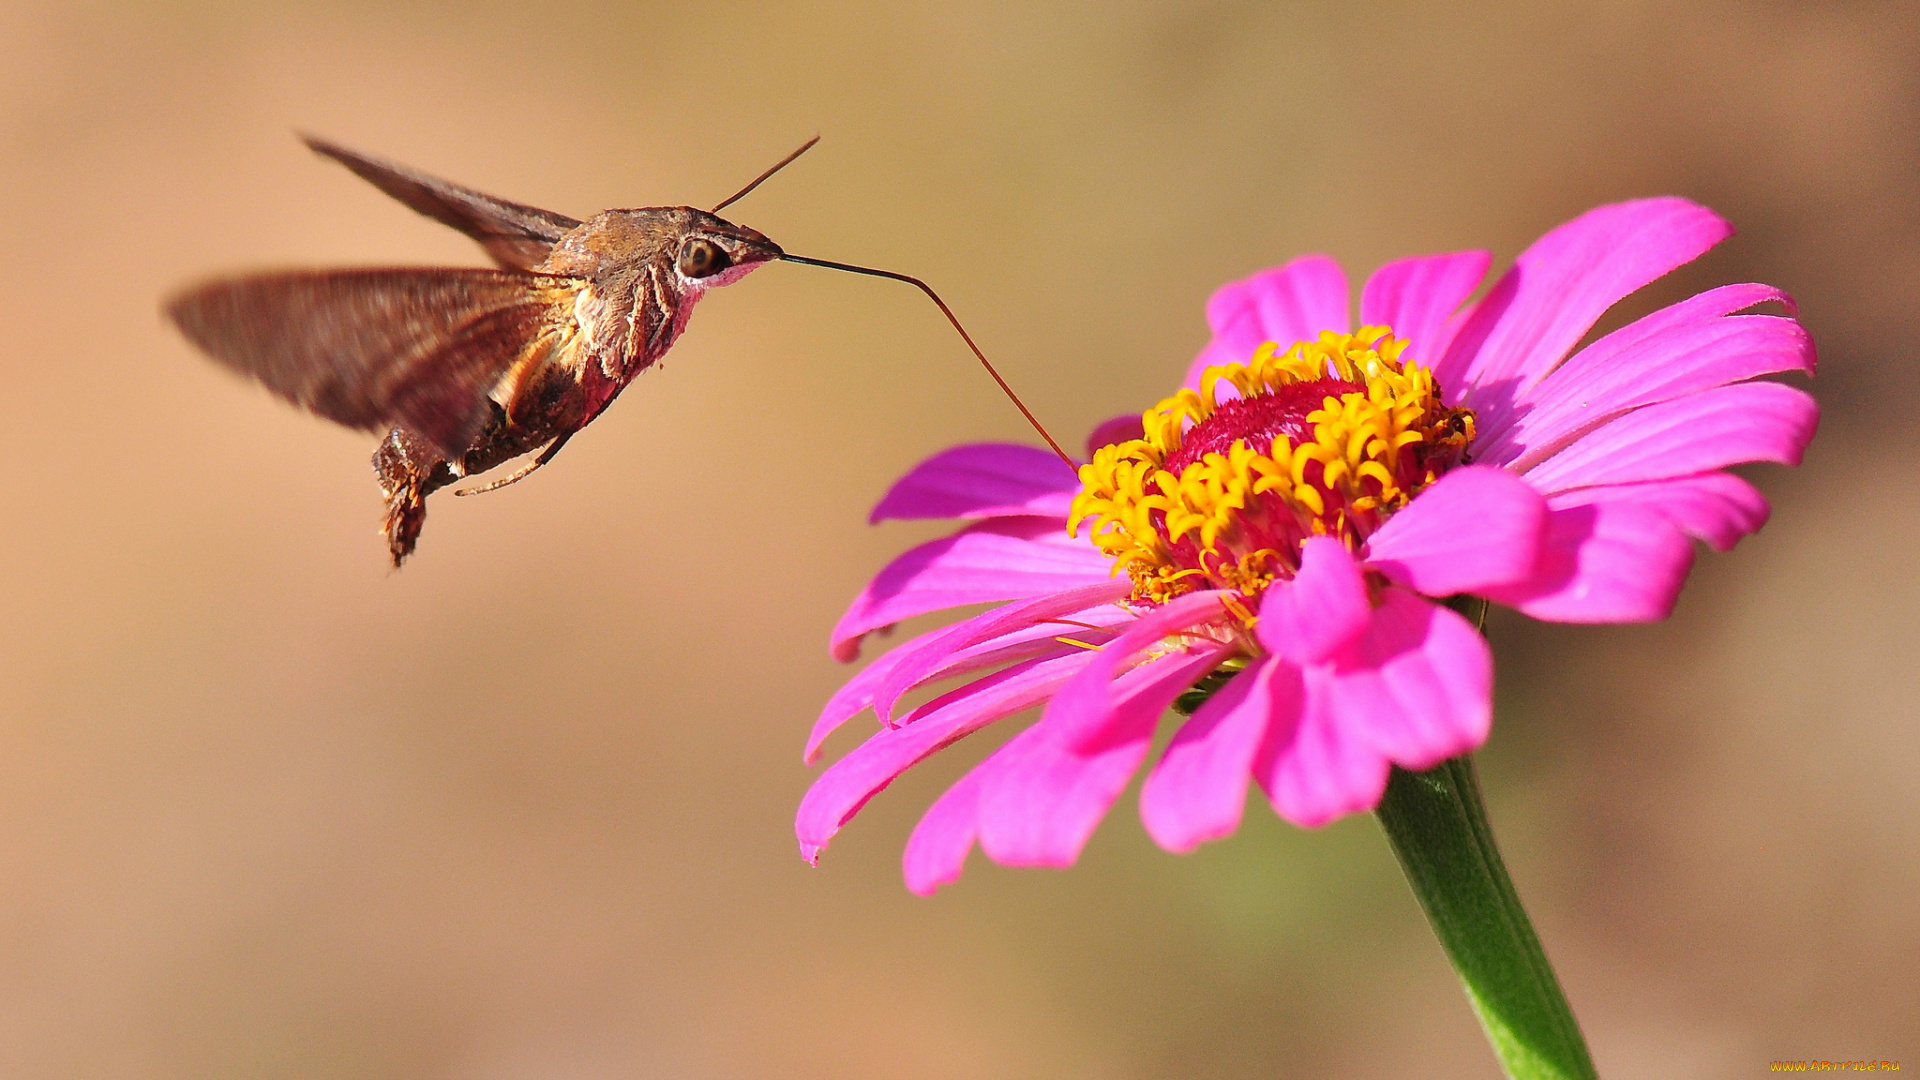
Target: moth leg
524,471
408,470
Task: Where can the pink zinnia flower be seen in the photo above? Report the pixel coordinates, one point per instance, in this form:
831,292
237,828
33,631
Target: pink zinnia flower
1288,518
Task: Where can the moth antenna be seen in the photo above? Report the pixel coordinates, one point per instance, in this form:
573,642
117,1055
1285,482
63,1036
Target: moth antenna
964,336
762,178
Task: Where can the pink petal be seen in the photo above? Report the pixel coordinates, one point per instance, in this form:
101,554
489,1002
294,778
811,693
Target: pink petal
861,692
1040,805
1709,430
1324,607
846,786
1477,526
1716,507
1708,306
1315,770
1084,710
938,848
1288,304
982,480
1418,686
1416,297
1560,287
913,670
1117,430
1606,562
1450,330
1671,366
1688,347
856,694
1199,789
993,561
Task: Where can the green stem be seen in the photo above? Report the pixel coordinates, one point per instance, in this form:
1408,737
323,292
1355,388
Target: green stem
1438,826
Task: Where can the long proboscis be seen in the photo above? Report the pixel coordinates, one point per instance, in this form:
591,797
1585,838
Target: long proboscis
964,336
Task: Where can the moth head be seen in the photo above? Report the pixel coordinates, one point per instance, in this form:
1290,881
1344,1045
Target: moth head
691,250
714,252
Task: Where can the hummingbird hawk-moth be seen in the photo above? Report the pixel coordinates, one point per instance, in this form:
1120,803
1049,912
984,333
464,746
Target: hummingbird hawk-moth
464,370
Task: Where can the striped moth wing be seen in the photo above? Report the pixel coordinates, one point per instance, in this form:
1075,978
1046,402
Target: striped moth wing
519,237
420,349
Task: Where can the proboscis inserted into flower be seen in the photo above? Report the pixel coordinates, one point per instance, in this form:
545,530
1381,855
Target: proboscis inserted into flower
1282,526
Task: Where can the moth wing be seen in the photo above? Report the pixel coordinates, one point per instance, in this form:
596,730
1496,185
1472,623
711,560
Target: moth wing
376,348
518,237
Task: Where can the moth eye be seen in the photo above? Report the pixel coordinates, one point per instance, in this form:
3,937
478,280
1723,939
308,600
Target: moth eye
702,258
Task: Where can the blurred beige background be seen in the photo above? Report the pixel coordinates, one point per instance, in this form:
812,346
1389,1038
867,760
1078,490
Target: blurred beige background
523,810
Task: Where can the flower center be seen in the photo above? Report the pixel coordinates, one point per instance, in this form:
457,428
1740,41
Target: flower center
1328,438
